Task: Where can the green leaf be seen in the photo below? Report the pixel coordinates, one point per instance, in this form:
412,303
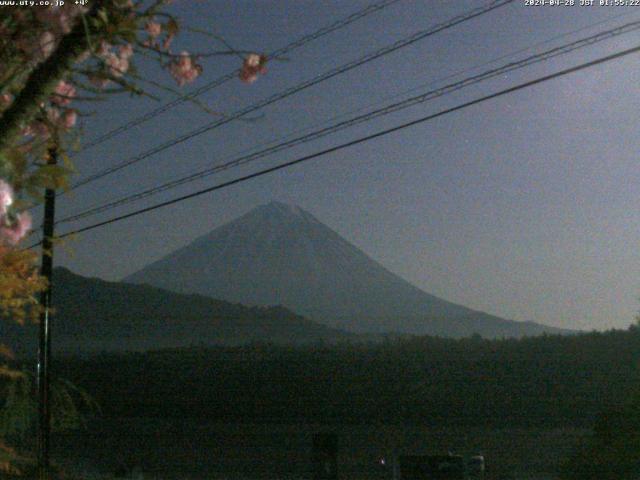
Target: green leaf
5,165
104,16
50,176
67,162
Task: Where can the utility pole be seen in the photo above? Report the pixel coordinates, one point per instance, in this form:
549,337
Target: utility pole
44,348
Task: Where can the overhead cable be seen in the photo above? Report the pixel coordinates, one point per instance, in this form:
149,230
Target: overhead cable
351,143
388,109
420,35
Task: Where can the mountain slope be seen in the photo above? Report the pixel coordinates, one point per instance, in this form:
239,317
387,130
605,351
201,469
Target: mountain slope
279,254
93,315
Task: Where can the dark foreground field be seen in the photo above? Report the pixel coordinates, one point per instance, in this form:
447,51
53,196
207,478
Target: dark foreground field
198,450
251,411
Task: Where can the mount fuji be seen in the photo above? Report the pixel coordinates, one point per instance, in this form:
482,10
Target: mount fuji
279,254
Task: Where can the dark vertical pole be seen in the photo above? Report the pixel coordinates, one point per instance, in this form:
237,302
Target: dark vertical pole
44,349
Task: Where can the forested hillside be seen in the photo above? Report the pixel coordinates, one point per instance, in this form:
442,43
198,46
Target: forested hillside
93,315
544,381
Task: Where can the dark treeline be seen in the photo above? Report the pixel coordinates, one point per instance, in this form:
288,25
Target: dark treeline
542,381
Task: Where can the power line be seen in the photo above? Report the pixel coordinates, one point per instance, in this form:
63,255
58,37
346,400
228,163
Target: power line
306,158
360,14
306,39
409,102
297,88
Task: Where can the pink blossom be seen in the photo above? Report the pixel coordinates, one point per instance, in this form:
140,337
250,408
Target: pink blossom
125,51
6,99
59,19
13,232
63,94
6,198
252,60
184,69
53,115
37,129
119,66
253,65
247,76
41,128
46,44
36,44
64,119
68,119
153,29
104,49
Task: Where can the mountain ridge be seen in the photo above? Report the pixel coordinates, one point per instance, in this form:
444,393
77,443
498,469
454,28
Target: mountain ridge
93,315
281,254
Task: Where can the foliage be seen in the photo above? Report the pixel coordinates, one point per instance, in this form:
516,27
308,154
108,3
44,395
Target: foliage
613,451
533,382
10,460
53,59
69,406
19,282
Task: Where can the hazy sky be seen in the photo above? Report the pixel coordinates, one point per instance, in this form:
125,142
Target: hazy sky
525,206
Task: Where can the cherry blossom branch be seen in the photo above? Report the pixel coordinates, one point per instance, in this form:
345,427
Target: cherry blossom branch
220,39
175,92
127,87
100,92
193,100
212,53
44,79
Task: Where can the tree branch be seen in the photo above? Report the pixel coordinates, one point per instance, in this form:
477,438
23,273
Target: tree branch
43,80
